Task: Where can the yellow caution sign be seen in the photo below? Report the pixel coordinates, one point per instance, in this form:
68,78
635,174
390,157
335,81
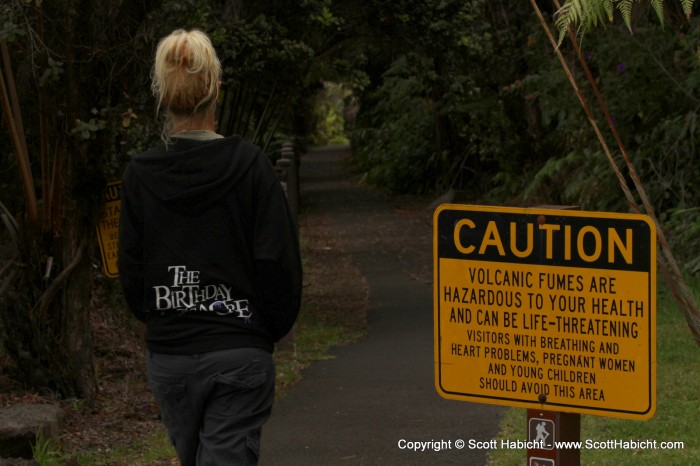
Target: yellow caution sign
548,309
108,229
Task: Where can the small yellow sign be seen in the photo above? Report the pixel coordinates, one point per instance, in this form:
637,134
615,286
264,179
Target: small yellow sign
544,308
108,229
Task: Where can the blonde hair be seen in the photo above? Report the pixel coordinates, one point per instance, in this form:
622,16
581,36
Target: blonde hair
186,72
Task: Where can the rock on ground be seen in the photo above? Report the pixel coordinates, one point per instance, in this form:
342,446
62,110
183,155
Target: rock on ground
19,426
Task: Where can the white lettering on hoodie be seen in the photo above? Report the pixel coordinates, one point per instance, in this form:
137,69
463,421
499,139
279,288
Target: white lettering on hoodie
185,294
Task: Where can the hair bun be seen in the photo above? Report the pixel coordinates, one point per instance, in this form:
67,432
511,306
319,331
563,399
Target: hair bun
186,71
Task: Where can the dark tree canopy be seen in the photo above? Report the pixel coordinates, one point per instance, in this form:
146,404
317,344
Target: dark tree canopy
446,94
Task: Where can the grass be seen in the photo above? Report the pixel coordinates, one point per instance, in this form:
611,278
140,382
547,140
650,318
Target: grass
677,410
313,342
47,451
328,318
332,315
154,449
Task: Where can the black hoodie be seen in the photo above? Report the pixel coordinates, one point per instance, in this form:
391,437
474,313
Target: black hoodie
208,251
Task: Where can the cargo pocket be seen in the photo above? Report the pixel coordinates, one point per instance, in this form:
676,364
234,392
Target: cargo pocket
246,393
242,379
238,406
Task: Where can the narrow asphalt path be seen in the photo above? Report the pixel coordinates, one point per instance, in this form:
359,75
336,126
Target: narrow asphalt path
376,395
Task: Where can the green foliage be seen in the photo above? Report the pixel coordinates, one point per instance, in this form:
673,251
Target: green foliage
154,448
324,15
434,115
395,152
83,87
267,55
685,225
329,109
10,31
576,179
471,97
52,73
46,451
650,83
87,129
588,14
451,94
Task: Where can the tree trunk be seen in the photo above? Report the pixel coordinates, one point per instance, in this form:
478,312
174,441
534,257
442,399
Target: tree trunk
46,327
45,319
77,362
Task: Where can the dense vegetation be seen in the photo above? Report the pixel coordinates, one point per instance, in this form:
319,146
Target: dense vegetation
470,96
76,105
441,95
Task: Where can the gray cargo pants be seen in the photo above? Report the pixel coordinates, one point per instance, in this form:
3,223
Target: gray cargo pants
214,404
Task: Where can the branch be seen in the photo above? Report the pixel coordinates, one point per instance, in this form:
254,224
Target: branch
62,277
9,104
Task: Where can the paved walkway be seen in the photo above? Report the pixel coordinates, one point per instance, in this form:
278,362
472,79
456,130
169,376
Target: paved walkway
359,407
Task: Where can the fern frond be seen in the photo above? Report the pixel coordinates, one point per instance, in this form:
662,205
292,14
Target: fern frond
609,9
658,6
687,7
569,13
563,17
625,7
597,11
587,14
572,12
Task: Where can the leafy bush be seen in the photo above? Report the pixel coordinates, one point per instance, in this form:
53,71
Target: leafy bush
433,119
470,96
395,152
329,114
649,82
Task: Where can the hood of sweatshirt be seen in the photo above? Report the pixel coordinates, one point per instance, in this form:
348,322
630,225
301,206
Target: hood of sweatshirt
190,175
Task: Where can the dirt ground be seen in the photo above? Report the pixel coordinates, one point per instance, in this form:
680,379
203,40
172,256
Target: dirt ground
124,415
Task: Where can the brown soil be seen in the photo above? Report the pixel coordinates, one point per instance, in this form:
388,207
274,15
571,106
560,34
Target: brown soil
124,415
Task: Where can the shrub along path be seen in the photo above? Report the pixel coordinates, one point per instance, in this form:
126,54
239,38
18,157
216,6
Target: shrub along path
375,396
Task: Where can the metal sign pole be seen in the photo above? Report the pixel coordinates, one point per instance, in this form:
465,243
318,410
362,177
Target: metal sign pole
551,428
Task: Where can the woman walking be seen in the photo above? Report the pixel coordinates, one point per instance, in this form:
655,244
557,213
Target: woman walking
209,261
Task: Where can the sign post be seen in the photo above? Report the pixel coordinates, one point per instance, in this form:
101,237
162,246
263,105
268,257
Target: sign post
550,310
108,229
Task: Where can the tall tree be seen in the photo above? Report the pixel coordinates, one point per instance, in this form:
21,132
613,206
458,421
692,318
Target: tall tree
64,68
